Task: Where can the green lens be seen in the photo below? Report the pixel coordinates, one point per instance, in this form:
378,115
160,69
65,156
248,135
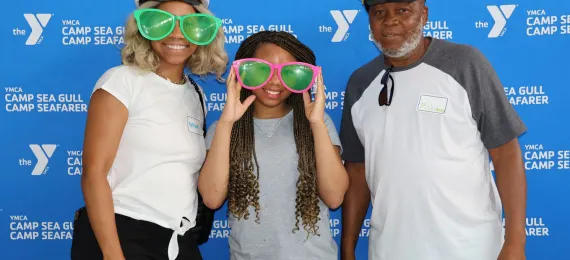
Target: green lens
155,25
200,28
253,73
297,77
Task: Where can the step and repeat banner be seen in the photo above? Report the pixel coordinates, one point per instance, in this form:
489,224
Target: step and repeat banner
53,52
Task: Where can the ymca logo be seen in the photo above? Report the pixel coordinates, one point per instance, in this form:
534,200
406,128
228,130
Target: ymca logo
343,20
37,23
500,16
43,153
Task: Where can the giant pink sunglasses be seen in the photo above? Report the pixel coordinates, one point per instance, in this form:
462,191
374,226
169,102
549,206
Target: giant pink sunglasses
297,77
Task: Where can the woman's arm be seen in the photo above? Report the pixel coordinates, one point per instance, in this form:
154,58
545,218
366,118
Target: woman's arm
106,120
215,174
332,179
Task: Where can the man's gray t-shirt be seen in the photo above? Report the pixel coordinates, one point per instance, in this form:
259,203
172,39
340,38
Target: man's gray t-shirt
273,237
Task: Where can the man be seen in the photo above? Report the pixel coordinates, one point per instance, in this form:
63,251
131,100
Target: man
418,126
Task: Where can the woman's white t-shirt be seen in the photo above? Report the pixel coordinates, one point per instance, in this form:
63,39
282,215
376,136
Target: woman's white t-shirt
155,171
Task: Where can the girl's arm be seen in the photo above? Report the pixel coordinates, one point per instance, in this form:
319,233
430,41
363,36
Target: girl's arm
332,179
215,174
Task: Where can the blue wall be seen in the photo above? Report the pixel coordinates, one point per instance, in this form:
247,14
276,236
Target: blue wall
54,51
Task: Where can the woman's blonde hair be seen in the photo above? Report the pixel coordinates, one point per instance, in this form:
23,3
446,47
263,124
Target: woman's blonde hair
138,52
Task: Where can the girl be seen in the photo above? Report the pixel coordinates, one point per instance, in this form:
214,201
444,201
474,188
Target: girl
277,160
144,143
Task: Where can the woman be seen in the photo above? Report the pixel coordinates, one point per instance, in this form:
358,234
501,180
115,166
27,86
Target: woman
144,143
275,154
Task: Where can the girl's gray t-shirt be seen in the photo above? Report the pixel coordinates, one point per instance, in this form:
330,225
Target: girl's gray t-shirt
273,237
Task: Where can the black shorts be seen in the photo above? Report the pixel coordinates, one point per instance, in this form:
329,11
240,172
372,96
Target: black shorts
140,240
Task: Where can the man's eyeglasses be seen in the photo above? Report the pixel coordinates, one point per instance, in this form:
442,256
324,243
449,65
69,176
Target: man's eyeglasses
383,99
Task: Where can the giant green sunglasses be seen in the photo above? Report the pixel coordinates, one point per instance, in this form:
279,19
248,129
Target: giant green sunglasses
253,73
156,24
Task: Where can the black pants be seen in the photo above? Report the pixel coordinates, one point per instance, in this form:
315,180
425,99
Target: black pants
140,240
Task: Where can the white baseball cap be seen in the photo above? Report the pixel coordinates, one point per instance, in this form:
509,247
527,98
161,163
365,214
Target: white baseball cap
205,3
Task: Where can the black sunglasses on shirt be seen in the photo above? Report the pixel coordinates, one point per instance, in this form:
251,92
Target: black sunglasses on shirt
383,99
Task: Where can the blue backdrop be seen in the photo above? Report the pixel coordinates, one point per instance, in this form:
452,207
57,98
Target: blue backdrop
53,52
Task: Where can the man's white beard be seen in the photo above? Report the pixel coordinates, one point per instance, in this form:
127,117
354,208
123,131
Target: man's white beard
409,45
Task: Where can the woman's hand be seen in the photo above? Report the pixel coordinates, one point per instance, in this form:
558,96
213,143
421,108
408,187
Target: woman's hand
315,111
117,257
234,108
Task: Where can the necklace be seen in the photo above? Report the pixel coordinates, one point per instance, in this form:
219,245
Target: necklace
270,134
180,82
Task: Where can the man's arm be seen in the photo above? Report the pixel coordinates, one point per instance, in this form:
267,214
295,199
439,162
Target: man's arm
500,127
511,183
355,206
357,197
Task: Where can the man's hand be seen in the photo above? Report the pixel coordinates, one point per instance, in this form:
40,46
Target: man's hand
355,206
511,183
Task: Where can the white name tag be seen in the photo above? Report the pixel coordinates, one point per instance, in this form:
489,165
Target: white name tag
194,126
433,104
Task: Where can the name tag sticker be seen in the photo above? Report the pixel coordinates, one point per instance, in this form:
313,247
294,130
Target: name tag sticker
433,104
194,126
